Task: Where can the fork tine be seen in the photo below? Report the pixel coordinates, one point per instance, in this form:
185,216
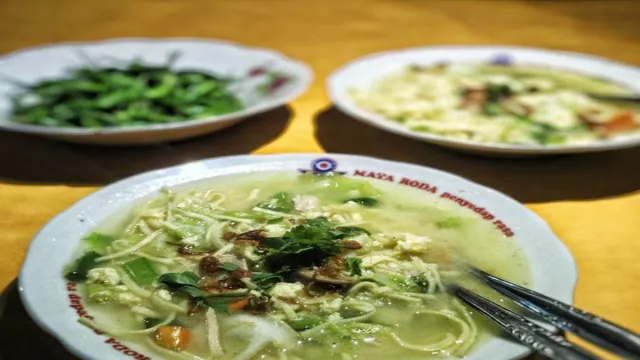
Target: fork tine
567,317
536,337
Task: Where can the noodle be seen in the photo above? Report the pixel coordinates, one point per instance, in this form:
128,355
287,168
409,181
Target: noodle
120,332
307,275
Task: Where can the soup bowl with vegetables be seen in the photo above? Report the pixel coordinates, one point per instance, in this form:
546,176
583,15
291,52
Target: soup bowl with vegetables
500,100
295,257
140,91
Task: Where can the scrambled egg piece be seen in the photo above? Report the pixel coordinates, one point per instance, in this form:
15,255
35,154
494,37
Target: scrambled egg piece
163,294
127,298
410,243
555,116
306,202
107,280
331,306
275,230
106,276
286,290
403,242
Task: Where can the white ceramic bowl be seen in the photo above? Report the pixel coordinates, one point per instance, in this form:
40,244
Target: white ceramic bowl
35,64
50,303
363,72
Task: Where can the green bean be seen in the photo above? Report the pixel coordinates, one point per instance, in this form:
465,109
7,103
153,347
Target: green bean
167,84
128,94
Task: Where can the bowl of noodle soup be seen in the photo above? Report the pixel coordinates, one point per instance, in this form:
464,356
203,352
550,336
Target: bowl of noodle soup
286,257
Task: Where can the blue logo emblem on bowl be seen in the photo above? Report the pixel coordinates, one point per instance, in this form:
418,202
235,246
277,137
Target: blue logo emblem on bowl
502,60
323,166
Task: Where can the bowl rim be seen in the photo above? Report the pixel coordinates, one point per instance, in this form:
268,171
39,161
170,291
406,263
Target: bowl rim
240,162
303,81
347,106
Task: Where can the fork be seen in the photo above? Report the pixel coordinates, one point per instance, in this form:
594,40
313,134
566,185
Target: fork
563,316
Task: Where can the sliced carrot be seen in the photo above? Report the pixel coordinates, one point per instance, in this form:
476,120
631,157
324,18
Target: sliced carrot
620,122
239,305
173,337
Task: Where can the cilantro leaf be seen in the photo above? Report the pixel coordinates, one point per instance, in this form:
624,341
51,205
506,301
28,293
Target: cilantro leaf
348,231
186,282
354,266
306,244
265,280
229,266
215,304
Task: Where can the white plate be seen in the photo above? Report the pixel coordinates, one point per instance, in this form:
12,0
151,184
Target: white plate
363,72
47,299
36,64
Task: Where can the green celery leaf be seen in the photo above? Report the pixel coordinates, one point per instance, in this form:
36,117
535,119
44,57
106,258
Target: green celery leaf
98,241
354,266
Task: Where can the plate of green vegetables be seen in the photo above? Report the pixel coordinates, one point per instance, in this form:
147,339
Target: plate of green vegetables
142,91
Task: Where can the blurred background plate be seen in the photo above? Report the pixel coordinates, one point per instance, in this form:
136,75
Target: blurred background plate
364,72
217,57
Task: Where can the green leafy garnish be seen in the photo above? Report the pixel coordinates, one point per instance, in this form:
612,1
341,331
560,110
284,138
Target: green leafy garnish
214,303
97,241
281,202
348,231
365,201
187,283
305,244
496,92
354,266
266,280
229,266
81,268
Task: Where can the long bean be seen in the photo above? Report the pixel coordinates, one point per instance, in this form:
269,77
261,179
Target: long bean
131,95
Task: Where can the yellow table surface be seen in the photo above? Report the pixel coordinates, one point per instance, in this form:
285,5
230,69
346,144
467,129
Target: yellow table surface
591,201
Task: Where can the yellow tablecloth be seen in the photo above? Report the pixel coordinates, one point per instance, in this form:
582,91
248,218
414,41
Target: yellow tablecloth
591,201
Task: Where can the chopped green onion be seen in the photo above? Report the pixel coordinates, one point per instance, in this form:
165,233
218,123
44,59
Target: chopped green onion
141,271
